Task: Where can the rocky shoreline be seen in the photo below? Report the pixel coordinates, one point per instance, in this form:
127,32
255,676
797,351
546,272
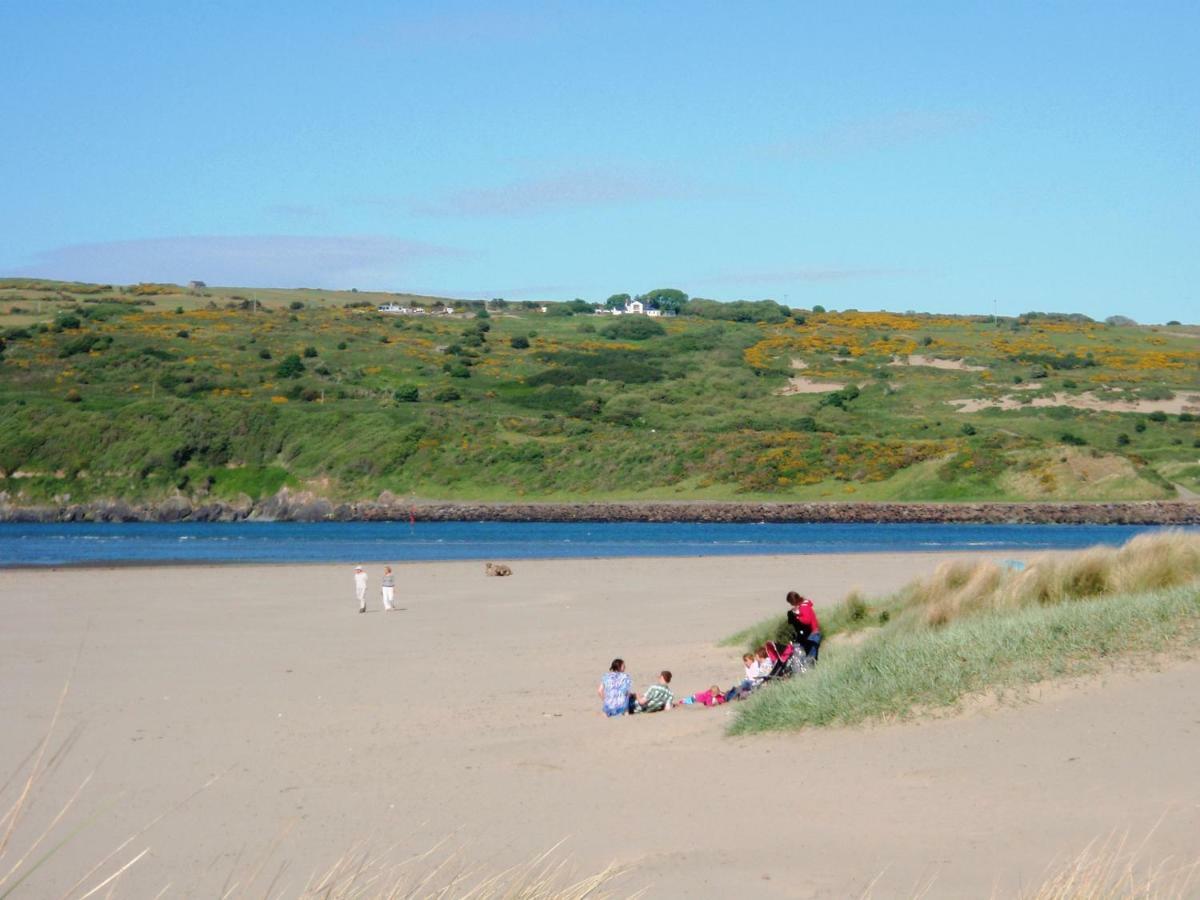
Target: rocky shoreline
303,507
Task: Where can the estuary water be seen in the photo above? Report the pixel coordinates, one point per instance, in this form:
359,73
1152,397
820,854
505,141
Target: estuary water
349,542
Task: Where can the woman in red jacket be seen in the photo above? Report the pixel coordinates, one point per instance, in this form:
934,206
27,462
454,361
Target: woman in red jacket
806,629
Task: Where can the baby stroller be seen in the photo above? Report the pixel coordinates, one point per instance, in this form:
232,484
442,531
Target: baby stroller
787,660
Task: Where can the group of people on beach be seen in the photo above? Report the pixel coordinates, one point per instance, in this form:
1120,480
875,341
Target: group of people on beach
387,589
768,661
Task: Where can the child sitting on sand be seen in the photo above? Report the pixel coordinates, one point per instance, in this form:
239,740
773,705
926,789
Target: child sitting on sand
764,663
658,697
711,697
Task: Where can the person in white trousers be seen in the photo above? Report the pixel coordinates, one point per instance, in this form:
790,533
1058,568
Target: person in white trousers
360,588
388,588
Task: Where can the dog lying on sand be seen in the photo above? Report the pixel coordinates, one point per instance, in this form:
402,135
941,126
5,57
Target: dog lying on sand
497,569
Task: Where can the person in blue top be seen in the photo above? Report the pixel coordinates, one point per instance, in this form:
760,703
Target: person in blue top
616,690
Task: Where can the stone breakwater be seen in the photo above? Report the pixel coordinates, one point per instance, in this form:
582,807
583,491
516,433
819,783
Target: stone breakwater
303,507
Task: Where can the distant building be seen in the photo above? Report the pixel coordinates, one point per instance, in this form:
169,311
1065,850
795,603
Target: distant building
197,285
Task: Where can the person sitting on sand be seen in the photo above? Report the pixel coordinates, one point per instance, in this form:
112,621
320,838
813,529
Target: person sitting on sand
712,697
806,629
658,697
616,690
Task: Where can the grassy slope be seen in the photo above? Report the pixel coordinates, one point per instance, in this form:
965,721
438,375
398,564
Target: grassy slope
973,628
894,674
146,410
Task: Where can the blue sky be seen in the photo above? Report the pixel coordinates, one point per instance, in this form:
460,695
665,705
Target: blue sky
934,156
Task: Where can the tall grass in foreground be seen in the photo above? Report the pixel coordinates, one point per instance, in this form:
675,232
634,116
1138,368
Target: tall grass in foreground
1105,870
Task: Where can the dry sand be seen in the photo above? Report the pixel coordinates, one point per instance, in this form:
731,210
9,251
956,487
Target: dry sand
471,715
934,362
1181,402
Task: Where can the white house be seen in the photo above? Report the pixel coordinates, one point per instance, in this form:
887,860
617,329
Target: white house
635,308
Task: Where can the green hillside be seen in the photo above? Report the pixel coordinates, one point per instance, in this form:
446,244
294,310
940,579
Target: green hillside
139,392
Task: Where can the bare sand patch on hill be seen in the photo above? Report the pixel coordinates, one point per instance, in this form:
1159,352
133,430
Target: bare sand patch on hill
933,362
1181,402
798,384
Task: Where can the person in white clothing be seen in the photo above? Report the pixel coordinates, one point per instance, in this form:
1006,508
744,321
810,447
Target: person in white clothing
360,588
388,588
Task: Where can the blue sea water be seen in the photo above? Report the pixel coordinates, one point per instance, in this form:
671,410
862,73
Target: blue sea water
290,542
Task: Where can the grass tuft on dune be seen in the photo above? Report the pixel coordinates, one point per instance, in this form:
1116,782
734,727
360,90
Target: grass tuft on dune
976,627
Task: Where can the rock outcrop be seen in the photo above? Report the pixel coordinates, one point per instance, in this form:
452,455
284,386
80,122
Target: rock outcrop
297,506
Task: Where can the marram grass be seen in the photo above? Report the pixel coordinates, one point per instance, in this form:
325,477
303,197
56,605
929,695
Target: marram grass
974,628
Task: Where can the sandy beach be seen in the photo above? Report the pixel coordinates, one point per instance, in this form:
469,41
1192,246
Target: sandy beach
470,717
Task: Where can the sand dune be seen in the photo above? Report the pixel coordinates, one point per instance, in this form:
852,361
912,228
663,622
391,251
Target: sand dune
933,362
471,715
1181,402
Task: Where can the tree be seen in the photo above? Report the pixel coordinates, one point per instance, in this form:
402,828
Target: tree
617,301
483,314
290,367
666,299
818,308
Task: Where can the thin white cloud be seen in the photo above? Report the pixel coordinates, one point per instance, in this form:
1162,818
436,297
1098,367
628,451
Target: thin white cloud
251,260
865,135
803,275
469,27
579,189
296,212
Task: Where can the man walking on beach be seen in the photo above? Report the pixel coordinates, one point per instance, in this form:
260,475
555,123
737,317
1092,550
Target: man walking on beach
388,588
360,588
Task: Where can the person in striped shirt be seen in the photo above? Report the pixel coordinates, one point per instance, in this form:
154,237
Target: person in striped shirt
658,697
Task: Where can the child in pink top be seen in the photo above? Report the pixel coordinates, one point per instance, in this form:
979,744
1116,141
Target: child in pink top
711,697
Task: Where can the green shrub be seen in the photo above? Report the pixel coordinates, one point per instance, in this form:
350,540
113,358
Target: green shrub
67,322
310,352
406,393
632,328
1157,416
85,343
519,342
446,395
290,367
264,353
